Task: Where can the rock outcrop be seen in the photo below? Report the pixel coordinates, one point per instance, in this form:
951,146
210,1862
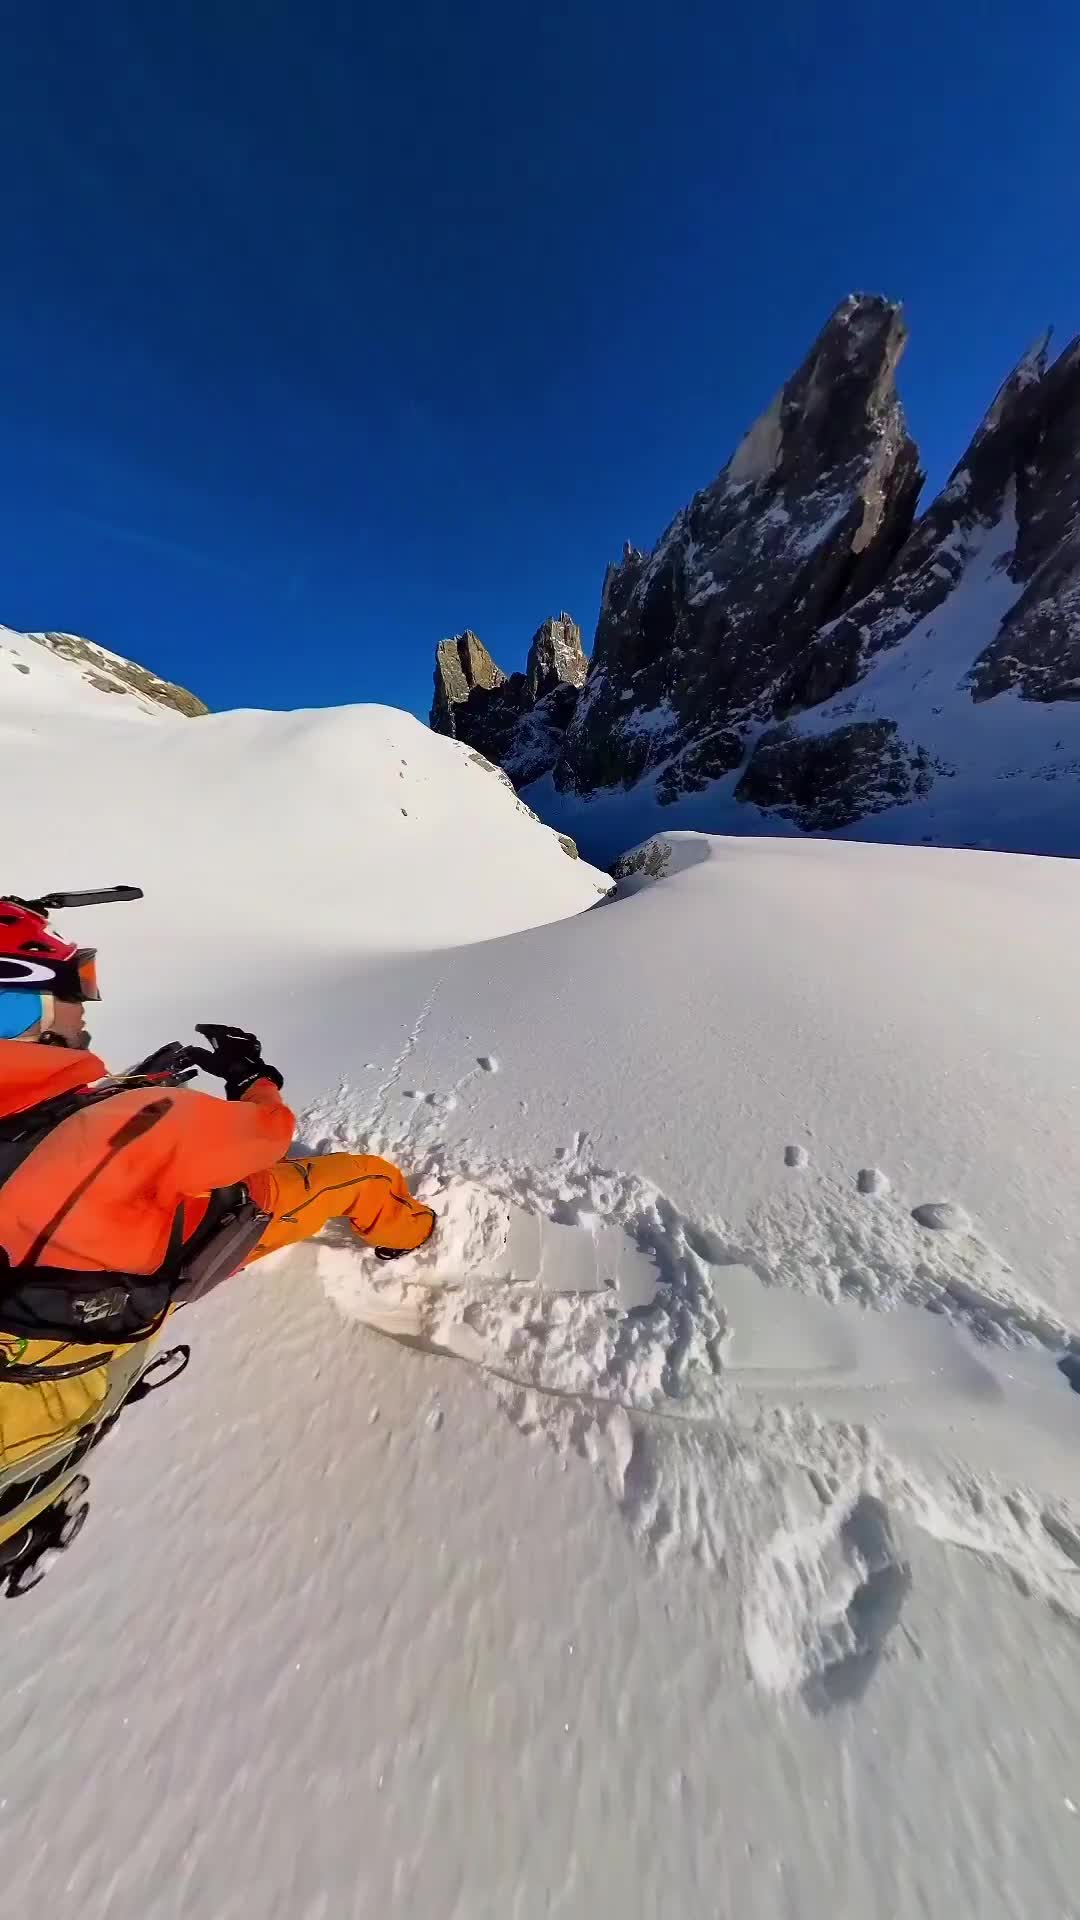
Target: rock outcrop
463,666
826,781
110,673
983,599
517,719
797,643
556,658
1037,650
694,638
927,570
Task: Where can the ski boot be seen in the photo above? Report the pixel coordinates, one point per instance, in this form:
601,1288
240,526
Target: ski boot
25,1558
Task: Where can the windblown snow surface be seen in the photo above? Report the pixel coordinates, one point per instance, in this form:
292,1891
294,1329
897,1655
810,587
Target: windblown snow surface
694,1530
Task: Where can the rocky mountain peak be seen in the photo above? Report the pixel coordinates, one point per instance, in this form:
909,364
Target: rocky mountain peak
1037,649
462,665
980,489
517,720
818,423
806,516
797,643
556,657
983,599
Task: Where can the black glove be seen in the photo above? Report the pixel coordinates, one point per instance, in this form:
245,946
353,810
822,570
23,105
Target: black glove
172,1062
233,1056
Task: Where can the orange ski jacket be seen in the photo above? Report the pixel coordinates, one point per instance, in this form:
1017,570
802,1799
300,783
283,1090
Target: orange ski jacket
122,1222
124,1218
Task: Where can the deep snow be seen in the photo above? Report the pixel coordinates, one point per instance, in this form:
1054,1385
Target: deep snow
759,1596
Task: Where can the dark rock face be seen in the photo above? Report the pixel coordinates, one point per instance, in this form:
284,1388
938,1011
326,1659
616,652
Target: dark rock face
824,782
1025,461
556,658
518,720
554,674
699,764
1037,649
805,518
933,561
474,699
795,627
462,666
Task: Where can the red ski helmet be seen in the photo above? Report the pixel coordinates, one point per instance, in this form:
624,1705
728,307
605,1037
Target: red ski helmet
32,959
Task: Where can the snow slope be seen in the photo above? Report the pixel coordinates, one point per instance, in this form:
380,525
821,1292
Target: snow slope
276,850
759,1596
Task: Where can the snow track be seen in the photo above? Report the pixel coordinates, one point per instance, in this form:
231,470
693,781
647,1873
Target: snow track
772,1403
706,1539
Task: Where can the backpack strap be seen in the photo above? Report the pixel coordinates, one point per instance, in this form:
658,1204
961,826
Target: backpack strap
133,1129
47,1114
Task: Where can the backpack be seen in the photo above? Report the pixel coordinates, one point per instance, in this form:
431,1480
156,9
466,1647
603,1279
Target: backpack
63,1303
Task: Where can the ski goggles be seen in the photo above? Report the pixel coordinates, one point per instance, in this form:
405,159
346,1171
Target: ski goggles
85,974
72,979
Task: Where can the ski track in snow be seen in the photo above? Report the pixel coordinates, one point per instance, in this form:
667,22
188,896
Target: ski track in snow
803,1514
386,1087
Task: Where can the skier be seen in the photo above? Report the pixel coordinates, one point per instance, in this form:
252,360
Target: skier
121,1198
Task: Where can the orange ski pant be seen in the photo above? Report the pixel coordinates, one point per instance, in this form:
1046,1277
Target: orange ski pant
372,1194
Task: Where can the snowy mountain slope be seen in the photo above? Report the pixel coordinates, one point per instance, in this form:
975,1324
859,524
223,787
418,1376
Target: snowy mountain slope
67,670
270,846
758,1599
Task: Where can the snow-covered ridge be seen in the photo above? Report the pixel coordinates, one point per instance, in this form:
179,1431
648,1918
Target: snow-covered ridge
62,668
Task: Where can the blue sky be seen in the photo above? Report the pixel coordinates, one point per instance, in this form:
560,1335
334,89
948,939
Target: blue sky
328,330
